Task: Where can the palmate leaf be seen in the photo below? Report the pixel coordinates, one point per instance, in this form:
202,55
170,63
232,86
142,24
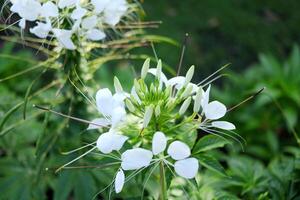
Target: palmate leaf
211,163
209,142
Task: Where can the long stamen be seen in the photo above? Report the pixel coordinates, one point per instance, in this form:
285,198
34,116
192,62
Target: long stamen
223,67
67,116
247,99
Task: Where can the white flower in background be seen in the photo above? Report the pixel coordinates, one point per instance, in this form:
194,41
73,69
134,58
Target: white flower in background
70,20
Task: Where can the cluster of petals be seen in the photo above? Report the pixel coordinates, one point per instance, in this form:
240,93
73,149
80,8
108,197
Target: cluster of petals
138,158
84,19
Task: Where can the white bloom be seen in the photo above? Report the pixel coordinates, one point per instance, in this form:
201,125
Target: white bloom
95,34
159,143
78,13
27,9
110,141
114,11
187,168
100,5
179,150
136,158
111,106
64,38
49,9
66,3
223,125
119,181
41,30
22,23
89,22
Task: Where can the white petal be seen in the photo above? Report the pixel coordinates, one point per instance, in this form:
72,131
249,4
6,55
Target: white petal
49,9
41,30
179,150
99,5
159,143
78,13
89,22
100,123
205,98
66,3
118,115
215,110
64,38
223,125
22,23
107,142
119,181
187,168
27,9
95,35
114,11
163,77
104,101
177,81
136,158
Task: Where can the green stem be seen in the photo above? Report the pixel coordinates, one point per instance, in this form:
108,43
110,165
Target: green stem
163,191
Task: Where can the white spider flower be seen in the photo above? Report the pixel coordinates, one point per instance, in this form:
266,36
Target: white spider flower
70,20
163,102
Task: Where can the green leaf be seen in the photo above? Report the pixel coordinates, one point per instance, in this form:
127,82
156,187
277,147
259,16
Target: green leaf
209,142
211,163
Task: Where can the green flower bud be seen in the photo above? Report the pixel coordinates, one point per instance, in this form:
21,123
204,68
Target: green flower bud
185,106
157,110
147,116
117,85
197,101
129,105
145,68
189,75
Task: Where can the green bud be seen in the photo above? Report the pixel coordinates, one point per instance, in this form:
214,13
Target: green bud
188,90
147,116
145,68
129,105
157,110
189,75
136,86
197,101
158,69
117,85
185,106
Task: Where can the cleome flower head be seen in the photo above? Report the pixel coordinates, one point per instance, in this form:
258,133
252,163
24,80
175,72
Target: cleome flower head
158,120
70,21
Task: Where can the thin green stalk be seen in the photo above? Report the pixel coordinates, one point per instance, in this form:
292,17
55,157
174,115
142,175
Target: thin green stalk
163,191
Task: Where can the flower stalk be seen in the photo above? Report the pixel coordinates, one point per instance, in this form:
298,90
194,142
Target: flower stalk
162,177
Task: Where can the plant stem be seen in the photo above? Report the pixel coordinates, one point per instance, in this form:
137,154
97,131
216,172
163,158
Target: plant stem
163,191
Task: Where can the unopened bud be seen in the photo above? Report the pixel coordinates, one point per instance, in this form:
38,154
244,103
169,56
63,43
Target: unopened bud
129,105
145,68
158,69
197,101
189,75
157,110
188,90
117,84
185,106
136,85
147,116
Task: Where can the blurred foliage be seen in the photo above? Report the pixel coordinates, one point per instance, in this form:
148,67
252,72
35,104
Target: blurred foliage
231,31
